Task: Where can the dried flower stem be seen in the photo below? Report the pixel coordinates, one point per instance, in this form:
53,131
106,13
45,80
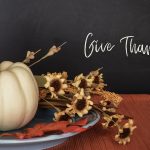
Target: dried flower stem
30,56
105,115
50,53
56,99
66,97
37,51
57,109
97,108
37,62
52,103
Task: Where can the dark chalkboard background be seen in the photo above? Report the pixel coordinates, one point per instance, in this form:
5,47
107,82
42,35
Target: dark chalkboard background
34,24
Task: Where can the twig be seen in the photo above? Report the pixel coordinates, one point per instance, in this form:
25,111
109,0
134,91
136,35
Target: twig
66,97
106,115
52,105
47,55
27,59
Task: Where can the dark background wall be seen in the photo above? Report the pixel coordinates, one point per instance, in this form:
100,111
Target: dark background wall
34,24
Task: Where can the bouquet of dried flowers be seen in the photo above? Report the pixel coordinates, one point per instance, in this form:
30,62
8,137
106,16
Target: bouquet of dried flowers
75,97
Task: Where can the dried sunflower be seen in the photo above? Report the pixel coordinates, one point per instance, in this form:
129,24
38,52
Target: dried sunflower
105,102
82,81
97,80
124,132
56,84
80,105
111,121
62,116
105,109
107,106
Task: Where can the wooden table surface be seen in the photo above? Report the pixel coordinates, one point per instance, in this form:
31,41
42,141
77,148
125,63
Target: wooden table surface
137,106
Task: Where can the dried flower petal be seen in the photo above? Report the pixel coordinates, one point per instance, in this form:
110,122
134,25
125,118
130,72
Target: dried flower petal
80,105
81,81
111,121
125,132
30,56
56,84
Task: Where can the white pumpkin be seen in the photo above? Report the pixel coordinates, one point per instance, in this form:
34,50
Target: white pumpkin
18,95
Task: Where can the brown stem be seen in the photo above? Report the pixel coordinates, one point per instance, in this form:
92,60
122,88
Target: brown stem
105,115
66,97
52,105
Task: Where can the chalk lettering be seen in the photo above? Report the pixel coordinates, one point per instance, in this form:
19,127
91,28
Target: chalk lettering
92,45
132,48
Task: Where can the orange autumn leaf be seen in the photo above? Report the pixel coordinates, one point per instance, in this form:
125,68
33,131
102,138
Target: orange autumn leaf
41,129
81,122
73,129
59,125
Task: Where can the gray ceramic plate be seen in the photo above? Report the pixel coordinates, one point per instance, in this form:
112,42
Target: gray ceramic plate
44,115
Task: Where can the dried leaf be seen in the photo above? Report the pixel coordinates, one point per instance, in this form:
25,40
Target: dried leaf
40,80
41,129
